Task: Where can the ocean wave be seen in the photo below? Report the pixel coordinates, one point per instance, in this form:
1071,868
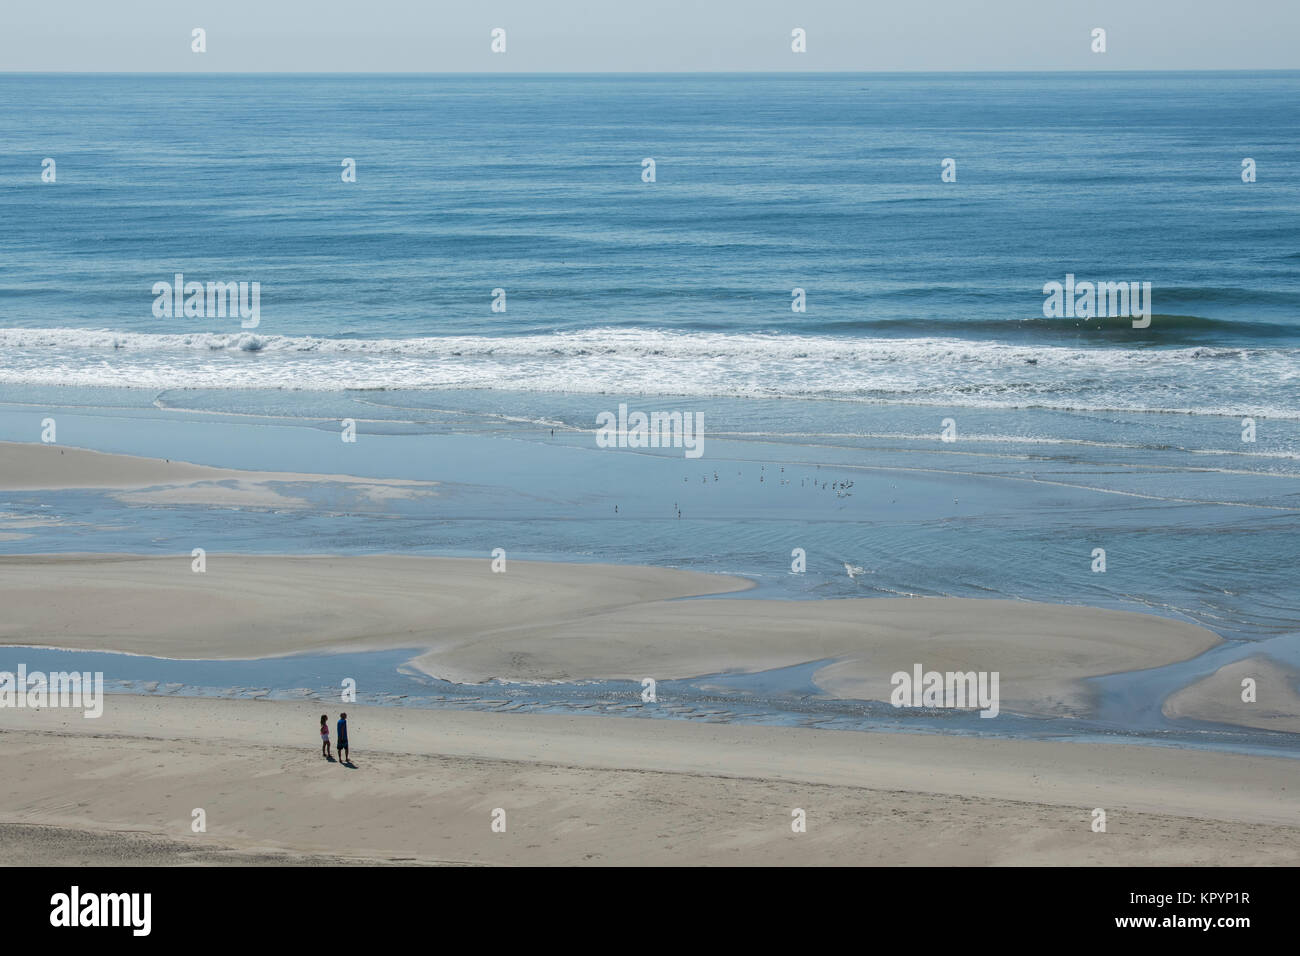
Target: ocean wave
1165,328
625,342
930,370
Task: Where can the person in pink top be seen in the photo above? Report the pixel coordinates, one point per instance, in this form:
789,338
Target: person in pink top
325,736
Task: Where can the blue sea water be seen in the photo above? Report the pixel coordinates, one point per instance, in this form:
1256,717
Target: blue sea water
924,303
917,290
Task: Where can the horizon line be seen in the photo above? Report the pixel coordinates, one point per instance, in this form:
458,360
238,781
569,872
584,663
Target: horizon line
507,73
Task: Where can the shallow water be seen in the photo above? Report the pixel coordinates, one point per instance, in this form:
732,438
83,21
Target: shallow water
784,697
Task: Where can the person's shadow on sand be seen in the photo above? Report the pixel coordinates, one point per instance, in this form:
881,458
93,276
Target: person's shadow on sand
349,764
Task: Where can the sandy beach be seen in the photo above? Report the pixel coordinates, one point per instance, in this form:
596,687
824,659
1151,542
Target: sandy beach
1219,698
160,481
121,789
589,790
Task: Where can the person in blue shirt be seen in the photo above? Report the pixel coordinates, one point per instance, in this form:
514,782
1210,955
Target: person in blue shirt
341,745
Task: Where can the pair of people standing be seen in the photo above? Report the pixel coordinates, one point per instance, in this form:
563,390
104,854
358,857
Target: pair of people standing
342,738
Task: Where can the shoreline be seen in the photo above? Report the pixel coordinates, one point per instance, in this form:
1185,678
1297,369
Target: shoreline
762,699
549,622
30,466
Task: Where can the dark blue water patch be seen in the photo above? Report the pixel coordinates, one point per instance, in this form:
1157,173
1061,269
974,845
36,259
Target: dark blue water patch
784,697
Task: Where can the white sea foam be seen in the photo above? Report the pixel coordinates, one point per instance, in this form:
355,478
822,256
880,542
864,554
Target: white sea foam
928,370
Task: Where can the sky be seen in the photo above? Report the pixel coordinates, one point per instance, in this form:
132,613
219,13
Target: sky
434,36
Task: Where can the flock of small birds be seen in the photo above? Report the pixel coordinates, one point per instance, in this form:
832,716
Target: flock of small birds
842,489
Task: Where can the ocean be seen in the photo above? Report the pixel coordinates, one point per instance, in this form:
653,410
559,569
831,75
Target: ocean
1174,445
917,290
